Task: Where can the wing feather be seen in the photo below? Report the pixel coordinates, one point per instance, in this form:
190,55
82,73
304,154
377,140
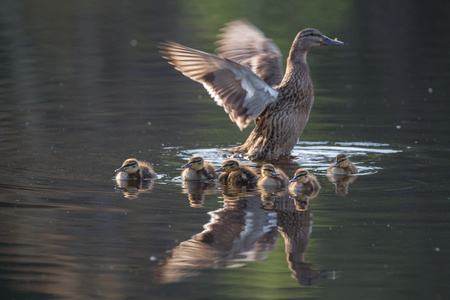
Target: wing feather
243,95
246,44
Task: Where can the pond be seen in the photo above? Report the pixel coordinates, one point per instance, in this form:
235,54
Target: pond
83,87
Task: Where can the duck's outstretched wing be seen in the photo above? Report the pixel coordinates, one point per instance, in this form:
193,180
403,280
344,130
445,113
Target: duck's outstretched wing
246,44
243,95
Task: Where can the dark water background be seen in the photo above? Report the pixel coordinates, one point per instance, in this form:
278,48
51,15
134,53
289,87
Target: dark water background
83,87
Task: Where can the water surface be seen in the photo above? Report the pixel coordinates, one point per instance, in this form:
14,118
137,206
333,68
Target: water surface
83,87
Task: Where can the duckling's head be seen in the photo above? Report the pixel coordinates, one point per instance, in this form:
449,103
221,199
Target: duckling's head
196,163
309,38
301,175
268,170
130,166
341,161
229,166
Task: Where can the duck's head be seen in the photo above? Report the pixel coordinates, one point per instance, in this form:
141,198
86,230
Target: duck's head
130,166
301,175
310,37
341,161
268,170
196,163
229,166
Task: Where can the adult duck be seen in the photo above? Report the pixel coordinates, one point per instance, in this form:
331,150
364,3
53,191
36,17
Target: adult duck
198,169
342,166
133,169
235,174
247,80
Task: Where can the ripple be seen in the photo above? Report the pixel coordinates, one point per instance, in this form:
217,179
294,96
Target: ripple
316,156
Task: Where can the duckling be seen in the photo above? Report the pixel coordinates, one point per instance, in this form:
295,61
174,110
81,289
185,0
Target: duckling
271,177
342,166
247,81
304,182
132,169
235,174
198,169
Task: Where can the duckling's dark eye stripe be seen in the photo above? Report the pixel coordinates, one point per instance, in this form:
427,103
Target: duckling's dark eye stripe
196,161
268,170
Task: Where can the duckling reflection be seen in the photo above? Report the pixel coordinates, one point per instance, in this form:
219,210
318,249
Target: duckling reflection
302,199
342,166
341,183
132,188
197,190
235,174
198,169
295,223
304,182
132,169
238,232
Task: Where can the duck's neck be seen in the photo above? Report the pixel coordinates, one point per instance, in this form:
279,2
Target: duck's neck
297,73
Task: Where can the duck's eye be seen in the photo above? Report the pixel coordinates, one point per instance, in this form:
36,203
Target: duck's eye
267,170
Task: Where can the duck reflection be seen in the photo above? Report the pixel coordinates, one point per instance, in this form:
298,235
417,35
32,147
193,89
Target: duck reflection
238,232
132,188
197,190
295,223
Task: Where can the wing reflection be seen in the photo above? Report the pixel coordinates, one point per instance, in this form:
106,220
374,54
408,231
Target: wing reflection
238,232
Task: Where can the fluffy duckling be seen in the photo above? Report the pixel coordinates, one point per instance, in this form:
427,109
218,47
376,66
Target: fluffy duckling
235,174
342,166
198,169
248,82
304,182
132,169
271,177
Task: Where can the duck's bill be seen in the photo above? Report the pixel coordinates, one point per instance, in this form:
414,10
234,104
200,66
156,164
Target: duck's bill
188,165
219,169
120,169
327,41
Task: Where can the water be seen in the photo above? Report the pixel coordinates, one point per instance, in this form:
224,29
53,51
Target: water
83,87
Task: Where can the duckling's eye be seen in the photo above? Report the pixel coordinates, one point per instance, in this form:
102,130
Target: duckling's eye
267,170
